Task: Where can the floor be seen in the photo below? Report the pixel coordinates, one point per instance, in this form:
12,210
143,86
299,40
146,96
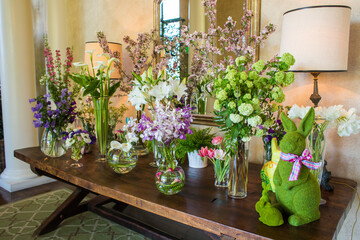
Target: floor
8,197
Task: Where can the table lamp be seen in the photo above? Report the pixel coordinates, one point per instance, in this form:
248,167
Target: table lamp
318,38
94,45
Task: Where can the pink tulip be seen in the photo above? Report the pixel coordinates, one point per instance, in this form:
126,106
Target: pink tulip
217,140
211,153
203,152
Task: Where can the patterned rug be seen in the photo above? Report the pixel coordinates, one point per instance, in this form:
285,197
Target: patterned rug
19,220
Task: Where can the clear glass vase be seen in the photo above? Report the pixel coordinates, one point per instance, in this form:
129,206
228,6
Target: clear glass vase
222,177
169,178
201,105
316,143
52,144
267,151
76,155
101,111
122,162
238,171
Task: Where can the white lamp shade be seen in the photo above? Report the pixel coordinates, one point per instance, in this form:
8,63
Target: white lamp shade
97,51
317,37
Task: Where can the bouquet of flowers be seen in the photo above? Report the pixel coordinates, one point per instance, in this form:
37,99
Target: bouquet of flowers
246,93
54,119
346,122
220,160
76,140
153,90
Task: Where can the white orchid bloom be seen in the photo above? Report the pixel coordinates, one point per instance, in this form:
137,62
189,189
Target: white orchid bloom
125,147
136,98
131,137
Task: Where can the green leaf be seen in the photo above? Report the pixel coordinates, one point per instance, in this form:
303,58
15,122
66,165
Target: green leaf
78,79
91,87
113,88
228,122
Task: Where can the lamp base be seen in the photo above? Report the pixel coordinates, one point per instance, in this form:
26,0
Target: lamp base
315,97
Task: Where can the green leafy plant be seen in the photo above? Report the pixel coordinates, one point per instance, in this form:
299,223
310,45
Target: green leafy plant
199,138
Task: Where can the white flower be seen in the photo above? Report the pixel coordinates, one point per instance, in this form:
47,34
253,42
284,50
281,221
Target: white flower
125,147
219,154
115,145
254,121
349,125
298,112
246,139
90,52
105,55
331,114
137,98
86,137
79,64
177,88
235,118
160,91
69,142
131,137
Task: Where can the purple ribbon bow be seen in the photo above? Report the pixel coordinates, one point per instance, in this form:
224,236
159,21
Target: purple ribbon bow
298,161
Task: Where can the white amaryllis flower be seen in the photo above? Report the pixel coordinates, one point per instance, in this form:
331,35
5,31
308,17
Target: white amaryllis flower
177,88
131,137
219,154
298,112
125,147
349,125
137,98
160,91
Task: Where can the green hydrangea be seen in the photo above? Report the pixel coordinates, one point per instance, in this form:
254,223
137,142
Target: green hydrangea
247,96
249,84
246,139
259,133
268,123
243,76
277,94
255,101
253,75
221,95
288,59
259,65
279,77
235,118
245,109
255,121
289,78
240,60
217,105
231,74
232,105
237,93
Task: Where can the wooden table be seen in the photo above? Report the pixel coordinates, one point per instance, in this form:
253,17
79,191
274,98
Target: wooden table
199,204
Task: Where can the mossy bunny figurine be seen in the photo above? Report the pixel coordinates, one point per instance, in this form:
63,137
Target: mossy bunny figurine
297,190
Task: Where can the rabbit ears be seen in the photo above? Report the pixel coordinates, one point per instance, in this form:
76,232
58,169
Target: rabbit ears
305,125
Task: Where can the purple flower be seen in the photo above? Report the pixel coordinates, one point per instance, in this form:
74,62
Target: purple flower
271,130
31,100
37,123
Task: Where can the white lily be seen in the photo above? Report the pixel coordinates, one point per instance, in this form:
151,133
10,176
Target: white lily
136,98
79,64
177,88
115,145
125,147
160,91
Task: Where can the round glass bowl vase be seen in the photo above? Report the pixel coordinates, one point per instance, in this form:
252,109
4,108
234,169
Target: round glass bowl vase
169,178
122,162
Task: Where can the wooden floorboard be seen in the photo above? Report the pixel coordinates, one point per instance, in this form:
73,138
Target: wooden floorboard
9,197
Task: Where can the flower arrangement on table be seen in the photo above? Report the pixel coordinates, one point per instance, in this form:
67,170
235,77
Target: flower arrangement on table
76,140
346,122
98,84
220,160
54,111
121,156
168,125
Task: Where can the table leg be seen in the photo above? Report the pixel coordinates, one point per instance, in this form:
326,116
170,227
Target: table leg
70,207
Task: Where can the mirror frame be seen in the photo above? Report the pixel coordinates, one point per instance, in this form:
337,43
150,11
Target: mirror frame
252,5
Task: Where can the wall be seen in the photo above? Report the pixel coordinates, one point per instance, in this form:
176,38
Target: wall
335,88
72,23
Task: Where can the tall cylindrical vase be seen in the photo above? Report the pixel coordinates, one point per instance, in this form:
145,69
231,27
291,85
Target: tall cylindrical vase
316,143
101,111
238,171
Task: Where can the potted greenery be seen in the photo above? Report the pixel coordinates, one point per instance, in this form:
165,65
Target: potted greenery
193,143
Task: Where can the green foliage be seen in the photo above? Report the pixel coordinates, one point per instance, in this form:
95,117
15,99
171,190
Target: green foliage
199,138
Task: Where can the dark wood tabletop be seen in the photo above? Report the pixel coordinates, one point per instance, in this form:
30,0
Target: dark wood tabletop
199,204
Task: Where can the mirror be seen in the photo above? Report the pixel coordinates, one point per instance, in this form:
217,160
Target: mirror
192,14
